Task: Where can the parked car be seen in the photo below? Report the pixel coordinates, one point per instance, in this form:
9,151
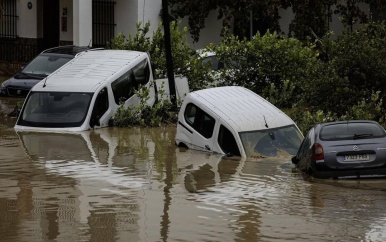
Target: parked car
343,149
235,121
217,68
87,91
37,69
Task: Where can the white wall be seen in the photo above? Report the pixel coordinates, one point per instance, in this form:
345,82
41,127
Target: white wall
27,21
209,34
149,10
82,26
129,13
66,35
126,17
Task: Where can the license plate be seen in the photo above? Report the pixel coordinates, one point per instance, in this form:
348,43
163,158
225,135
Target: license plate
359,157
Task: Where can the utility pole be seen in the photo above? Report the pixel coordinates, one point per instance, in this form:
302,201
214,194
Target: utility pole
168,50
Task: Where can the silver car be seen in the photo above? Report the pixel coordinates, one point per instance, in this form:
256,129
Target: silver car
343,149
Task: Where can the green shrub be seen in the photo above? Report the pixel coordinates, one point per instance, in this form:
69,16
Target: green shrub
185,63
162,112
266,61
354,68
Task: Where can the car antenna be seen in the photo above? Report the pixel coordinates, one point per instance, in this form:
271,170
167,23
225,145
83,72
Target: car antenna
45,80
266,125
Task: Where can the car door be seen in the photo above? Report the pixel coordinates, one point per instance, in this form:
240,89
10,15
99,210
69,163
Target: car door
202,125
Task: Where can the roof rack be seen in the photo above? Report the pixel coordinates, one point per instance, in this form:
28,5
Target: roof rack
66,49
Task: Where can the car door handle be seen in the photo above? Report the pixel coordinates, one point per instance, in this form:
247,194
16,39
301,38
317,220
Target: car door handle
207,147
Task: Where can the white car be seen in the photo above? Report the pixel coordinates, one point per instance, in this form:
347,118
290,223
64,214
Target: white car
233,120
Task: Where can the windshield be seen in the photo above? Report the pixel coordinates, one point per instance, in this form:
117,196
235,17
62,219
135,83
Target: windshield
55,109
45,65
349,131
272,142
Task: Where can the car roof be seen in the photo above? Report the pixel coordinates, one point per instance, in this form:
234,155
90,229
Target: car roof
320,125
66,49
205,53
89,70
241,108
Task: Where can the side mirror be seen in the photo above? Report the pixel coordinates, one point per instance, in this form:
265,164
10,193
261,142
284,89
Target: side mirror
295,160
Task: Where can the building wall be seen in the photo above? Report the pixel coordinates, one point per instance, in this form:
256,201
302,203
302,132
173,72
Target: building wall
66,20
210,34
126,16
27,22
129,13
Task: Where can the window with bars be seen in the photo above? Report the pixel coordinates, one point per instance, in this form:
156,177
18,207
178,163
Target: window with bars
102,22
8,18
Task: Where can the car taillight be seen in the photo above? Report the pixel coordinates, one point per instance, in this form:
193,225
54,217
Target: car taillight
318,152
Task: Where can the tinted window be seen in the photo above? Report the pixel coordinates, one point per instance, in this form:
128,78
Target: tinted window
123,88
344,131
202,122
227,142
141,73
55,109
45,65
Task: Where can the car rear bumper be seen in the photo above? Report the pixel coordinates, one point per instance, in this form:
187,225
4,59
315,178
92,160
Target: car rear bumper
351,173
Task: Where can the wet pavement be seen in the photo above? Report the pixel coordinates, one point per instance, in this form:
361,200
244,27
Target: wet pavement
134,184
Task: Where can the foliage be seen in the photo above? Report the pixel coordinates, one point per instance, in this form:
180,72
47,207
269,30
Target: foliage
265,62
365,109
314,83
162,112
353,69
265,13
185,63
311,18
306,119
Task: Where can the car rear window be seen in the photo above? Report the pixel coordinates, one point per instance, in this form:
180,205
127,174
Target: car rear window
347,131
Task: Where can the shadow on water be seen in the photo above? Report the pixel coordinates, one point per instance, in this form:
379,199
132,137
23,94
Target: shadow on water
134,184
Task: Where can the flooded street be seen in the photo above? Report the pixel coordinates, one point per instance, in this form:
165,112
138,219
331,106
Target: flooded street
134,184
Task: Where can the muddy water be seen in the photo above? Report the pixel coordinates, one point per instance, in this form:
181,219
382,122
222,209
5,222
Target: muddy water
119,184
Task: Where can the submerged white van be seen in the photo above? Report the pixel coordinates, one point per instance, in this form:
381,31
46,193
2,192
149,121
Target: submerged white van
87,91
235,121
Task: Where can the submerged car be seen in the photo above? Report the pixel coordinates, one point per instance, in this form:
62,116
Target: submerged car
343,149
39,68
87,91
235,121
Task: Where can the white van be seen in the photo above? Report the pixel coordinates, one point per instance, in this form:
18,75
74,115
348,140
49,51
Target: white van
235,121
87,91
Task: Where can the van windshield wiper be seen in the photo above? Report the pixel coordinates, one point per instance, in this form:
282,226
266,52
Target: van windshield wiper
29,75
362,136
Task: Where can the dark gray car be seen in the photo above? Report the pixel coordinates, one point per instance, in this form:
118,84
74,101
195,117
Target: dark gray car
37,69
343,149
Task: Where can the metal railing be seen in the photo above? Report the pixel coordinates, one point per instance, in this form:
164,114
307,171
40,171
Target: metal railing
102,22
14,51
8,19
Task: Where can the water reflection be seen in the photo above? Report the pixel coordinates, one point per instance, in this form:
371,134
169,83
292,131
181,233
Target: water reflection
134,184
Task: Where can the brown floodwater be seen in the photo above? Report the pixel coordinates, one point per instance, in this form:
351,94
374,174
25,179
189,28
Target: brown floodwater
134,184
